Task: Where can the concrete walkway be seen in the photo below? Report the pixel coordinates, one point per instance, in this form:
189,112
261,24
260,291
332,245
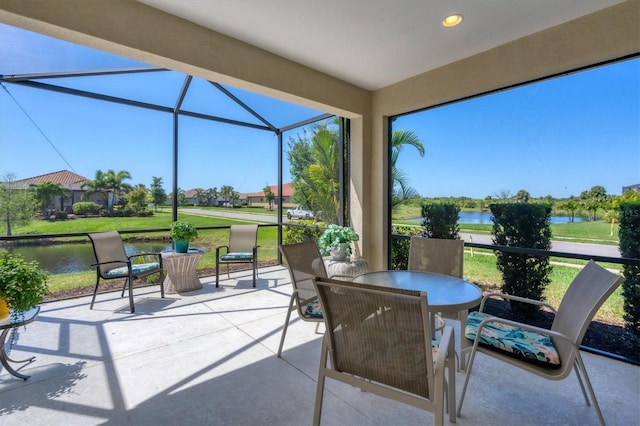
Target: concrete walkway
208,358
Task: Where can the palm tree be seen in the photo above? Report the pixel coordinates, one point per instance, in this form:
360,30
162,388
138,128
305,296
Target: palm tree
213,195
226,191
45,193
99,184
401,191
268,196
116,182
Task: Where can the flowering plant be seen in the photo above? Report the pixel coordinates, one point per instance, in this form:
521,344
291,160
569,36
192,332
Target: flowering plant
334,235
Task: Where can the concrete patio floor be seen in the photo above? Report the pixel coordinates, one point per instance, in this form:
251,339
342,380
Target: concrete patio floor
208,357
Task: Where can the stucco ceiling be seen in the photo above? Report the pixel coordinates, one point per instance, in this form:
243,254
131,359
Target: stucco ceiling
374,43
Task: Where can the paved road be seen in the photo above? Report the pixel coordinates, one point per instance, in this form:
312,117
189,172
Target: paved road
567,247
563,246
232,214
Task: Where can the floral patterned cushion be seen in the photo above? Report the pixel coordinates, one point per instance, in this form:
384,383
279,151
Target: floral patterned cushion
136,269
314,310
523,344
237,256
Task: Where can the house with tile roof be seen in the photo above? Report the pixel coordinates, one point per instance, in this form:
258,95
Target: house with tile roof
256,199
71,181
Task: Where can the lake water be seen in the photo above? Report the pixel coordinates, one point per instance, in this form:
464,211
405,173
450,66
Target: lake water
65,258
485,218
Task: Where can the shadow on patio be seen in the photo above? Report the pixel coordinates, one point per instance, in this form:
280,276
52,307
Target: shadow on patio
208,357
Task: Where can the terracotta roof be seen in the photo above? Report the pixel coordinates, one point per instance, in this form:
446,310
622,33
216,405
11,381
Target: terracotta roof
287,191
63,177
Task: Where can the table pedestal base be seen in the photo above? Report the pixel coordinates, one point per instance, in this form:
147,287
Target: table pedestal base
4,358
181,271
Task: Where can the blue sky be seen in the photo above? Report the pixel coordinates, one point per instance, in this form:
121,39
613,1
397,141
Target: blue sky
558,137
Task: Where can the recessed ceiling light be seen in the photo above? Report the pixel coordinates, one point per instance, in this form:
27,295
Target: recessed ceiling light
451,21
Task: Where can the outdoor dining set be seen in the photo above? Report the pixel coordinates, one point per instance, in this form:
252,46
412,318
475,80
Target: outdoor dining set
389,332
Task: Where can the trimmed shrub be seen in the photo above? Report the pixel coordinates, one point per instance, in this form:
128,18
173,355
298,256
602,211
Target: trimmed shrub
294,234
400,247
630,247
85,208
528,226
440,220
61,215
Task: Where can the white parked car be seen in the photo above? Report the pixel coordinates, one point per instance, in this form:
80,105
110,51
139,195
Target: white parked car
299,213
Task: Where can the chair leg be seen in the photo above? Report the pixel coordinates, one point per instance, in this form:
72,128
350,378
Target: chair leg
255,272
161,278
124,287
467,376
95,291
131,307
317,411
217,271
286,325
587,382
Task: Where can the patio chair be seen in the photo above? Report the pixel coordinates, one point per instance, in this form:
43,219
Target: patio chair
550,354
242,248
379,339
112,263
440,256
436,255
304,262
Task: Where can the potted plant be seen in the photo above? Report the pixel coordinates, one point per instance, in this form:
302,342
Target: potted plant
336,241
182,233
22,284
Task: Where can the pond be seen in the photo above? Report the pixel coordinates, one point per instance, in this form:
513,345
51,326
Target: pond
77,257
484,218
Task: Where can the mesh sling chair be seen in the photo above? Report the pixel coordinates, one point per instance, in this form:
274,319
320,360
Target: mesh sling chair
440,256
550,354
242,248
379,339
304,262
112,263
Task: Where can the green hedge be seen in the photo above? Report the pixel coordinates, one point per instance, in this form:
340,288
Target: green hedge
528,226
630,247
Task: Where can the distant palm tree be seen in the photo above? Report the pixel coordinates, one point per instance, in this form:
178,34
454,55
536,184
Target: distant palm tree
213,195
116,182
226,191
45,193
98,185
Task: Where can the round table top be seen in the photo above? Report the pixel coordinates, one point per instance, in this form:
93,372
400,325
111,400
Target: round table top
192,250
444,291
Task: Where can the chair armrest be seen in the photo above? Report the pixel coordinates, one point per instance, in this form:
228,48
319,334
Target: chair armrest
219,248
158,255
347,277
126,262
446,347
515,298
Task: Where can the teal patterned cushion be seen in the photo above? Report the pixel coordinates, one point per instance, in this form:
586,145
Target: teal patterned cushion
237,256
526,345
314,310
136,269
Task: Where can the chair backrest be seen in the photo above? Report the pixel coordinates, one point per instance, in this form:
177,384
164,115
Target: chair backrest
378,333
108,247
587,292
243,238
436,255
304,263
